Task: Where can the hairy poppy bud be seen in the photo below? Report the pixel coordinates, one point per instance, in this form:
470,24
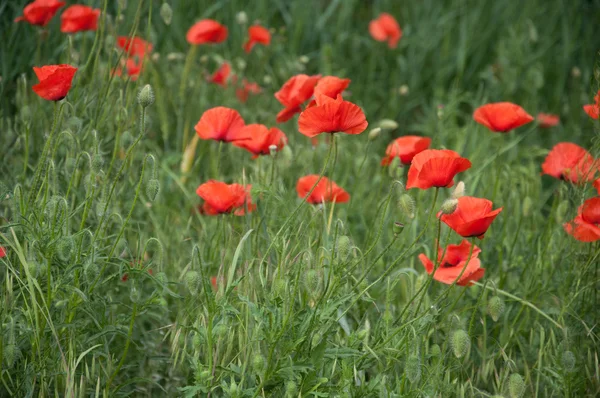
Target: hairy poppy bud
516,386
90,271
435,350
403,90
388,124
152,189
374,133
398,228
197,341
64,248
561,211
146,96
406,204
312,281
576,72
496,308
343,247
460,343
97,163
449,206
568,360
11,353
258,363
291,389
413,368
459,191
241,18
166,13
192,282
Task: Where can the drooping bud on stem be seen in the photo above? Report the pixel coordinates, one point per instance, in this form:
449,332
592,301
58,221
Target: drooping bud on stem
449,206
374,133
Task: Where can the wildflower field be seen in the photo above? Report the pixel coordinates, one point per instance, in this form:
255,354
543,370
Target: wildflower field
299,198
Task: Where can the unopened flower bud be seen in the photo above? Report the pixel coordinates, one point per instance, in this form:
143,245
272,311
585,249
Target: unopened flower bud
146,96
403,90
312,281
568,360
152,189
258,363
343,247
273,150
496,308
64,248
435,350
459,191
406,204
449,206
374,133
241,18
576,72
11,353
192,282
303,59
388,124
527,205
398,228
166,13
516,386
561,211
291,389
90,271
413,368
97,163
460,343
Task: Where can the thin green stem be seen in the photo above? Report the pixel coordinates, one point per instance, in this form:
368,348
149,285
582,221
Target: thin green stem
126,349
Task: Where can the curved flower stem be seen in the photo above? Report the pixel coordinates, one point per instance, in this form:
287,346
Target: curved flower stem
520,300
438,262
126,349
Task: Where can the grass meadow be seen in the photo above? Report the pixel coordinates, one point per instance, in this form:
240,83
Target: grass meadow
122,273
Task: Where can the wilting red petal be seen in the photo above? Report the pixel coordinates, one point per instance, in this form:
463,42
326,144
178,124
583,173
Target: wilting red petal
405,148
257,35
220,124
472,217
55,81
501,116
40,12
435,168
547,120
331,86
385,27
570,162
325,190
582,231
78,18
331,116
206,31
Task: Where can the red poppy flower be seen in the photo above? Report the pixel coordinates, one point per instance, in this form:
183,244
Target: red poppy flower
435,168
405,148
213,282
332,116
501,117
220,124
247,88
593,110
452,261
597,185
386,28
134,47
2,252
221,198
293,93
206,31
331,86
325,191
40,12
547,120
257,35
590,210
221,75
131,67
582,230
570,162
55,81
260,138
472,217
78,18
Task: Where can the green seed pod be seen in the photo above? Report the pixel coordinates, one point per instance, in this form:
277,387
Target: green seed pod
343,247
460,343
312,281
258,363
516,386
449,206
192,282
406,205
166,13
413,368
291,389
11,354
97,163
146,96
65,247
496,308
152,189
527,205
568,360
398,228
435,350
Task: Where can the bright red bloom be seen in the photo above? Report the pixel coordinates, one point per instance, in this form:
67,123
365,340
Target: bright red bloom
257,35
131,67
134,47
472,217
593,110
55,81
452,261
206,31
405,148
221,198
435,168
386,28
260,138
220,124
501,117
293,93
221,75
590,210
247,88
213,282
596,185
2,252
332,116
582,230
547,120
325,190
78,18
570,162
331,86
40,12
